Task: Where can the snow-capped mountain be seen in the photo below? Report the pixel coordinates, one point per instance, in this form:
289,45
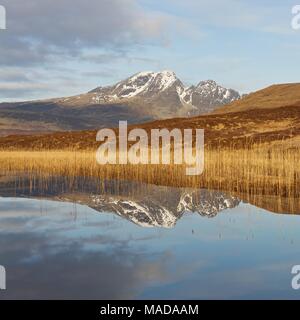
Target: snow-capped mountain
144,97
164,89
144,84
208,95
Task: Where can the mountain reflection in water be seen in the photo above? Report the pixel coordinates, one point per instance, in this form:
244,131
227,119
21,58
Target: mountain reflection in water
145,205
74,239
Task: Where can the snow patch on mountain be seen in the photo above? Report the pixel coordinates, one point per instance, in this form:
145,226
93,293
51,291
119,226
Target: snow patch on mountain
166,86
139,84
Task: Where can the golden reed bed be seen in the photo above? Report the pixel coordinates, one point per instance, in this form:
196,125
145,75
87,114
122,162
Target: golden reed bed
251,171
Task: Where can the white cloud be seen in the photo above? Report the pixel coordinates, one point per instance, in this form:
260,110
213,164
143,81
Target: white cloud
38,30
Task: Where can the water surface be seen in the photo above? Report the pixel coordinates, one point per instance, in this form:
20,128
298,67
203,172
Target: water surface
133,241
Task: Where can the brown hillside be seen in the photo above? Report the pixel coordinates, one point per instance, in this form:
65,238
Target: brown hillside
235,129
275,96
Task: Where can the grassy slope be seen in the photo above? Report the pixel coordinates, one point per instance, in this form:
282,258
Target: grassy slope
265,125
268,115
275,96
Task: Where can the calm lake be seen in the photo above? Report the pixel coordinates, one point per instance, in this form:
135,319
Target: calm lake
135,241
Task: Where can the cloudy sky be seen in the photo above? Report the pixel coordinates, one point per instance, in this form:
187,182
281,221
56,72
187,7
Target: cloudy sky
62,47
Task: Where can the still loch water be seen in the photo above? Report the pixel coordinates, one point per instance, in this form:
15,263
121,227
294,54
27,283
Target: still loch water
187,245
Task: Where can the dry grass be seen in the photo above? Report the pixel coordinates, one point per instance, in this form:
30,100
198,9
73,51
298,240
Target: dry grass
252,171
275,96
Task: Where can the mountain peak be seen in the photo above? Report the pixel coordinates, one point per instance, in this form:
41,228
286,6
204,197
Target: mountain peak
143,83
207,83
168,73
163,90
160,80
